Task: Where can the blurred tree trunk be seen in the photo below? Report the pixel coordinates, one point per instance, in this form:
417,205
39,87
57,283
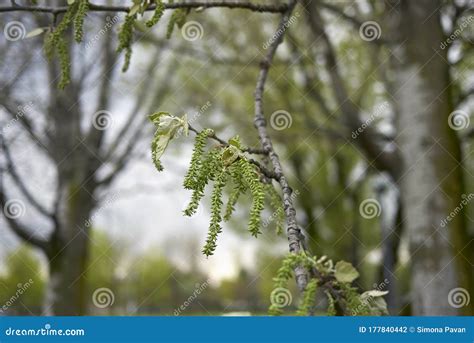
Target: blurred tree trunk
76,168
431,173
66,292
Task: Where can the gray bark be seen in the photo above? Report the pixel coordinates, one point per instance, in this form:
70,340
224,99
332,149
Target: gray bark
430,181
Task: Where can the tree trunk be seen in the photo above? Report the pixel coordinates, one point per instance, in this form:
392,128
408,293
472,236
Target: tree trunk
431,174
66,290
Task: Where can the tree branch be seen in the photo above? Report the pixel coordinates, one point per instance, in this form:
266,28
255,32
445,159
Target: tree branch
277,8
382,159
294,234
268,173
16,226
354,21
19,182
225,143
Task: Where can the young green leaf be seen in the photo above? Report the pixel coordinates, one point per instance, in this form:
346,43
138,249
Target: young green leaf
345,272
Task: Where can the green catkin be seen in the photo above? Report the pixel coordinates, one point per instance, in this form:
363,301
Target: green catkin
55,42
125,37
215,227
82,8
239,188
284,274
331,311
196,160
353,303
209,167
159,10
258,195
277,207
63,54
48,47
177,18
308,302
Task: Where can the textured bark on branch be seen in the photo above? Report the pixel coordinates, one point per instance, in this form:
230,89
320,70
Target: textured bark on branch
295,237
294,234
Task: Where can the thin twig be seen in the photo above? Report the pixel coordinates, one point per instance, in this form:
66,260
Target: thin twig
225,143
268,173
277,8
11,168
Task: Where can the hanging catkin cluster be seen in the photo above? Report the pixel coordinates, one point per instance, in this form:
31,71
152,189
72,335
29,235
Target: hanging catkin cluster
56,43
159,11
226,166
223,165
125,38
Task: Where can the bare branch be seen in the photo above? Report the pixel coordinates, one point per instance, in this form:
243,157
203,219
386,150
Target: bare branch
11,168
295,236
368,139
277,8
132,116
17,227
25,122
122,160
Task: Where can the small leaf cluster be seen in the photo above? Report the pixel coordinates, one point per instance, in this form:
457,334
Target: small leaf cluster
167,126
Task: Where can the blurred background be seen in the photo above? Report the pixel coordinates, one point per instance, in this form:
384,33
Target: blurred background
76,163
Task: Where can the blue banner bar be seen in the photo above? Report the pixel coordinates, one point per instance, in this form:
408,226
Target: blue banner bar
237,329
